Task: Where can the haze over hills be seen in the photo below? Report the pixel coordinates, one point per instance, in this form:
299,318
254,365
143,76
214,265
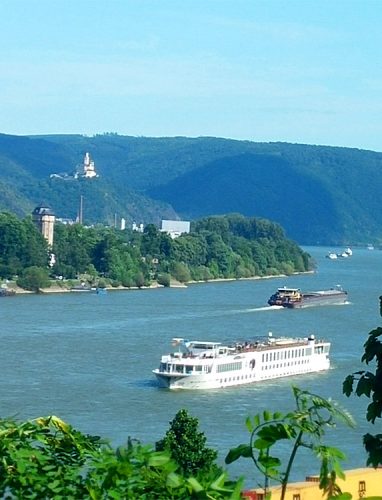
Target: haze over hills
319,194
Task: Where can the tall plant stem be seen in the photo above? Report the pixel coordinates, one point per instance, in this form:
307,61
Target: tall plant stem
290,463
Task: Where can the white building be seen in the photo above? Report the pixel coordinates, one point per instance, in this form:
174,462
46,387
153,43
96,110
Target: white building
138,227
175,227
89,167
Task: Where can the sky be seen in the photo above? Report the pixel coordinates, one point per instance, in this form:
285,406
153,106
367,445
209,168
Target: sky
299,71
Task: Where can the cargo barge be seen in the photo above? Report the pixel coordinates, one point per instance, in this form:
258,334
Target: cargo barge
294,298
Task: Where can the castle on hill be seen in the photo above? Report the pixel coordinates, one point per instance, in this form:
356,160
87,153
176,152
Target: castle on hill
85,170
88,167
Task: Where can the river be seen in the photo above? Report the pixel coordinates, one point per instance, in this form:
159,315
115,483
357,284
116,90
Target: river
88,358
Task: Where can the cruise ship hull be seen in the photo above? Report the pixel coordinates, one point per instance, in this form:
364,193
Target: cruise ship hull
253,364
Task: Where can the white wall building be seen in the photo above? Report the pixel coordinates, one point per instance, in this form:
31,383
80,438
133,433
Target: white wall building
175,227
138,227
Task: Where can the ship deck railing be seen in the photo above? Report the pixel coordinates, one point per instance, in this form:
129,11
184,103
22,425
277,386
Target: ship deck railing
250,347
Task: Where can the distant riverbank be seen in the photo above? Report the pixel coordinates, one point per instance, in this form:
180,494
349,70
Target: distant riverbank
55,288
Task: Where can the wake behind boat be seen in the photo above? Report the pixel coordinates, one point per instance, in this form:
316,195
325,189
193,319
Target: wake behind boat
294,298
212,365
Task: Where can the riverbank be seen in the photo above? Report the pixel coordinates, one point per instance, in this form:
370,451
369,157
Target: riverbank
62,288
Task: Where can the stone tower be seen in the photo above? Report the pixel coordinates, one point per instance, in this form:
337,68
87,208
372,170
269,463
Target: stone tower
44,219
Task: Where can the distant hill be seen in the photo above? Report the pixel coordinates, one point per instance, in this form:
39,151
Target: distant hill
319,194
26,166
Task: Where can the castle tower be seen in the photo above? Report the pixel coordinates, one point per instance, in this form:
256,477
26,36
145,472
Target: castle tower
89,167
44,219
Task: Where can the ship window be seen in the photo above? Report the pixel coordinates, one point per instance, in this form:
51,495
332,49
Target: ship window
189,369
198,368
262,358
227,367
296,496
309,351
326,348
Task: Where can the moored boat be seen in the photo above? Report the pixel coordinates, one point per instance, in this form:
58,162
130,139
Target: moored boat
6,292
332,256
212,365
295,298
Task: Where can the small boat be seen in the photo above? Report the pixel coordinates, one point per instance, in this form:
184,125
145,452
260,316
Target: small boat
370,246
331,255
294,298
343,255
212,365
348,252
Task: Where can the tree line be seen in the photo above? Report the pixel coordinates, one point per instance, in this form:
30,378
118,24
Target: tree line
230,246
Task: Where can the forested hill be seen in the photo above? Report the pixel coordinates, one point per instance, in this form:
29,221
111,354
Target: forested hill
319,194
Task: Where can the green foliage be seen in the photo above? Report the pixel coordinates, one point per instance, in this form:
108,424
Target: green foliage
181,272
369,384
34,278
44,458
137,471
21,245
232,246
47,458
303,427
187,445
164,279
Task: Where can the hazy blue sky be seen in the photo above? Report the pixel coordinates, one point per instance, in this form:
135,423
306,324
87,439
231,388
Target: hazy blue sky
302,71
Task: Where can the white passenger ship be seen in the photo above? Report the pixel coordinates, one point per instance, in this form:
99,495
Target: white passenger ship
211,365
